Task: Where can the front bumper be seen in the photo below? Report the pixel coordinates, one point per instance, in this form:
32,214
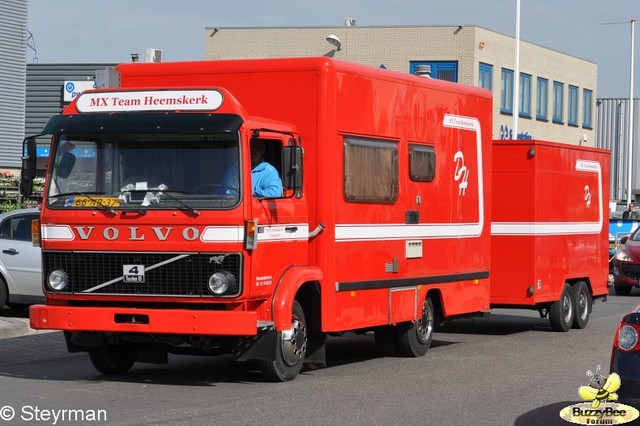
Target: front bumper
627,365
133,320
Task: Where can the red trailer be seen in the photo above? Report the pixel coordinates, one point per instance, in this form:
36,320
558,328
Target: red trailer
549,230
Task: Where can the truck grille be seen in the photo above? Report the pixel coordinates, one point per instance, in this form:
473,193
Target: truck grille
165,274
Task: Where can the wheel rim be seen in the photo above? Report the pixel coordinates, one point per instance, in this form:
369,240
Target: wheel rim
425,323
294,342
567,310
583,305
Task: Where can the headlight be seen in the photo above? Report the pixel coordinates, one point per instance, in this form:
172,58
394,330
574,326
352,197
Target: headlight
620,255
220,282
58,280
627,338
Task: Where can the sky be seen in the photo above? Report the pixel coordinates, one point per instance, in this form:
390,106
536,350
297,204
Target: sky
101,31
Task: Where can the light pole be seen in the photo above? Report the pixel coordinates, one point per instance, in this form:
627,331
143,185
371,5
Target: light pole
630,159
516,75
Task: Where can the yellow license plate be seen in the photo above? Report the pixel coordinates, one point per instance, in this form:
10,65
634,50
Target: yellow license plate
95,202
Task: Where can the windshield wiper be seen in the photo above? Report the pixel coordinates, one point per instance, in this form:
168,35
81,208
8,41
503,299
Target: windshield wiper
97,202
184,205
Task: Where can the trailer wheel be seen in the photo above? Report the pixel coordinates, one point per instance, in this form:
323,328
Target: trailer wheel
561,312
622,290
114,359
415,338
582,304
291,349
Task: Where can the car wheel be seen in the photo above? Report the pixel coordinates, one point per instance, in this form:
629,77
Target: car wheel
622,290
3,293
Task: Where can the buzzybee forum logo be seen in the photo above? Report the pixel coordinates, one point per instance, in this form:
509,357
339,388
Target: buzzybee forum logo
601,406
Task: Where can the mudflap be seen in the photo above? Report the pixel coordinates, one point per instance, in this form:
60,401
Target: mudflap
261,346
83,341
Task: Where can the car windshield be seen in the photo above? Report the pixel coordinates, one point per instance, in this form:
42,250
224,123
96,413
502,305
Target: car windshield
160,171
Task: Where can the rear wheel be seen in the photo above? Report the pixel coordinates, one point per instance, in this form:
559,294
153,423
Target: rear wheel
581,304
561,312
114,359
415,338
622,290
291,349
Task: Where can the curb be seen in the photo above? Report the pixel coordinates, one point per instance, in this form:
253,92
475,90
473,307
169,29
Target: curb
12,328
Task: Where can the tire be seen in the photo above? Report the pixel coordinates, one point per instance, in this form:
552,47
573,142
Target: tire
114,359
582,304
4,294
622,290
291,349
561,312
415,338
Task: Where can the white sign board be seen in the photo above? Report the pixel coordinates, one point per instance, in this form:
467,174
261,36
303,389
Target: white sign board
73,88
150,100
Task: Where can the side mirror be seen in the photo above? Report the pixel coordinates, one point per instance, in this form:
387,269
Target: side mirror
624,239
29,162
292,167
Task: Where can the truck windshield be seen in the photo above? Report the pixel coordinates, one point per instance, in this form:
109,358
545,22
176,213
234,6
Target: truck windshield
133,171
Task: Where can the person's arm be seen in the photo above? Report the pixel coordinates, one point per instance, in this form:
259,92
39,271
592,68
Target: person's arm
269,184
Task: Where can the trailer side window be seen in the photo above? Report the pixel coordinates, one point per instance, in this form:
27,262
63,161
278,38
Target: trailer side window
370,170
422,163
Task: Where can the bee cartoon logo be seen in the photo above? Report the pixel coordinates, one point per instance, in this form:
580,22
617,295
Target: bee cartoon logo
601,406
601,388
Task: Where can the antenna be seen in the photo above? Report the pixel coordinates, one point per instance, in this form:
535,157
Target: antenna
31,43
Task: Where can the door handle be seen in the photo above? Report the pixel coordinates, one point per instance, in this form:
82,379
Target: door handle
290,229
10,251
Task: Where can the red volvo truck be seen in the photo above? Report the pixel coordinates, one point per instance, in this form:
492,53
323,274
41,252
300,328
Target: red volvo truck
153,242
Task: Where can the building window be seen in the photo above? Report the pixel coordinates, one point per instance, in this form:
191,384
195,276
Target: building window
525,95
506,96
573,106
485,79
558,102
542,102
422,163
441,70
587,108
370,170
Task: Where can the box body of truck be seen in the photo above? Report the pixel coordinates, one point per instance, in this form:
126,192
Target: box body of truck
385,228
549,226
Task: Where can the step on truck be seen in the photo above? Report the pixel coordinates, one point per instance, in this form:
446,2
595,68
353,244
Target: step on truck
156,238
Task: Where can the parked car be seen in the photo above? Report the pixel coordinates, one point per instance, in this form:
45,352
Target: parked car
20,262
625,355
626,264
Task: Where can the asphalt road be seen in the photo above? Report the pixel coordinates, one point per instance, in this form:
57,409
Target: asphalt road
507,369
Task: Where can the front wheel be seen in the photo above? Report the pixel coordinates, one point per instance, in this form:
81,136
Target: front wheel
582,304
414,339
114,359
291,349
561,312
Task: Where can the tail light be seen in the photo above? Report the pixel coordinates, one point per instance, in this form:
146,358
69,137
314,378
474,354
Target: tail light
627,337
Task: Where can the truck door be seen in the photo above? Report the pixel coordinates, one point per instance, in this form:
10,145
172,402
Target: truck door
281,215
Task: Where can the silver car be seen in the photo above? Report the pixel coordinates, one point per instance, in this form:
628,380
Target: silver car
20,262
